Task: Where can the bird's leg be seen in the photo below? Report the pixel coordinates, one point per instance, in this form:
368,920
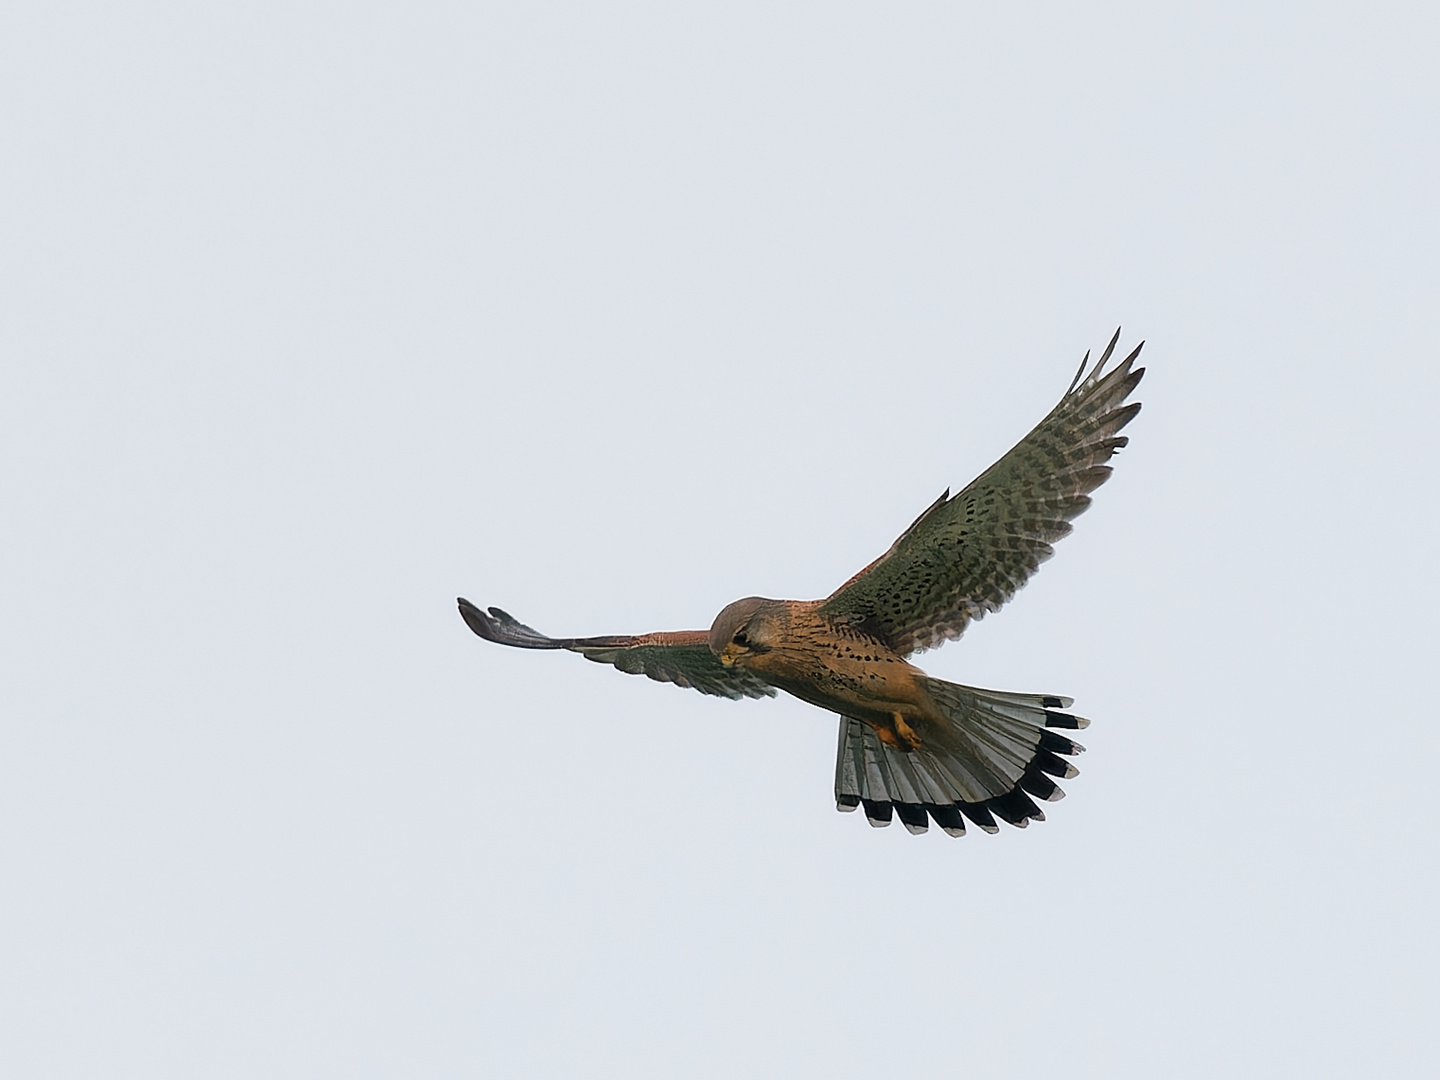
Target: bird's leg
901,735
906,733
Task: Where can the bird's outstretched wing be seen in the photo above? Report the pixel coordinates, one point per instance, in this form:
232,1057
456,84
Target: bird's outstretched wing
682,657
968,554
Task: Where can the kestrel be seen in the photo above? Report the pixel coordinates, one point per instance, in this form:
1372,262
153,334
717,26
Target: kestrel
912,745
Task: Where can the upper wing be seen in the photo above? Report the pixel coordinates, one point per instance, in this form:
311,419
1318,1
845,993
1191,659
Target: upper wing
968,554
682,657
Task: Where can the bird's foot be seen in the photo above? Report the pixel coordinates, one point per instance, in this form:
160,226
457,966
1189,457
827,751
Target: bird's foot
901,735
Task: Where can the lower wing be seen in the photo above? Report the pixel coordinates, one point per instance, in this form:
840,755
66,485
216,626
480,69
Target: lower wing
682,657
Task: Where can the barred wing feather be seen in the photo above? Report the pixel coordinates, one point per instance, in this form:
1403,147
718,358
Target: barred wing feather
969,553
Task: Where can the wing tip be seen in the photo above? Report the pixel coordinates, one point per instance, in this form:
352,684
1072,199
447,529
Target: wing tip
1094,372
477,620
1085,381
504,629
1109,349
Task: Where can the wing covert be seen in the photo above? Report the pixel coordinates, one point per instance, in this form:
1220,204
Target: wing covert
969,553
681,657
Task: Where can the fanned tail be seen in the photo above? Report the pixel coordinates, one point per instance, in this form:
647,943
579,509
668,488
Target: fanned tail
998,751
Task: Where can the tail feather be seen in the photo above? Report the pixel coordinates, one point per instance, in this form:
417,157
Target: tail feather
948,818
997,755
938,790
968,779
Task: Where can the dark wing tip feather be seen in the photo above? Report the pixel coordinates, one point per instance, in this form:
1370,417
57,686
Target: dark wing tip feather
474,618
504,629
1114,385
478,621
1109,349
1082,376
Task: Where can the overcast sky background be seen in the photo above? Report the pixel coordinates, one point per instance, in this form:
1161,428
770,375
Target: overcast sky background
318,315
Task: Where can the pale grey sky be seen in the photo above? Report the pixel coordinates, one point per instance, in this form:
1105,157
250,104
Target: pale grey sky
318,315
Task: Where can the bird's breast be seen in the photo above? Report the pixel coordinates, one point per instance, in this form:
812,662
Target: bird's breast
842,671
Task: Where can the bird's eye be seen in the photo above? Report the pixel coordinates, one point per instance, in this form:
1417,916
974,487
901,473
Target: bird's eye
741,640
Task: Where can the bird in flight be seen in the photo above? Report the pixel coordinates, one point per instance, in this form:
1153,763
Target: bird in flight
912,746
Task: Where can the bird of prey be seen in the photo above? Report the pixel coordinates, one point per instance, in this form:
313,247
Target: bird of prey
912,746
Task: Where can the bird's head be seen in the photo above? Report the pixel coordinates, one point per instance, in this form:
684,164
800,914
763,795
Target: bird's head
743,629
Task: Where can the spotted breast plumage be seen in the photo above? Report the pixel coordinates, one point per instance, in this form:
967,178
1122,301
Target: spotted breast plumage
912,746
